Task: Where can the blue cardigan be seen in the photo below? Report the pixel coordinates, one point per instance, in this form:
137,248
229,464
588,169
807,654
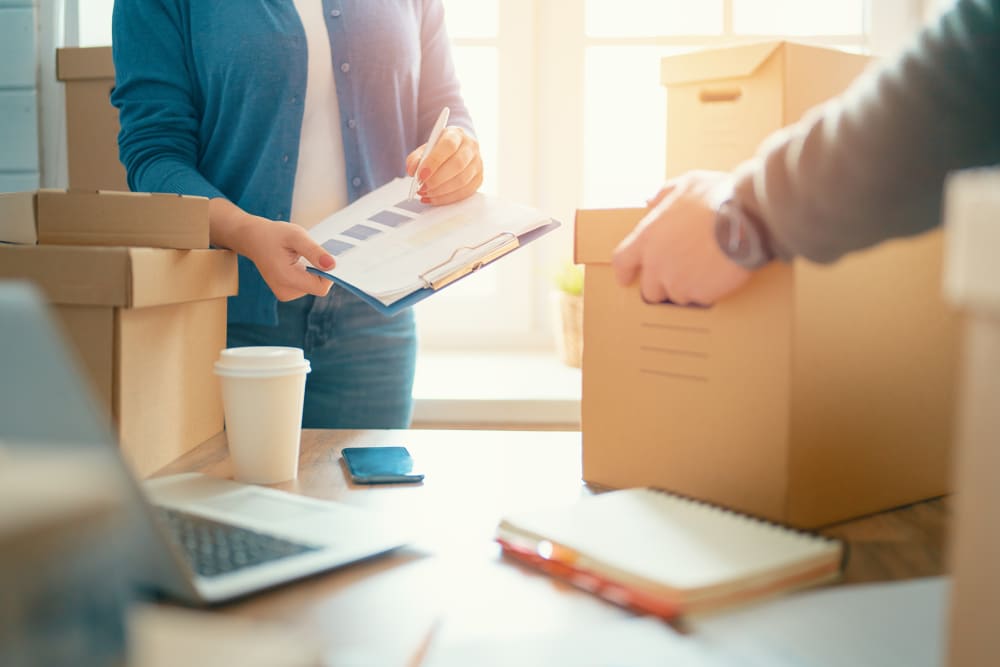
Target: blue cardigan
210,98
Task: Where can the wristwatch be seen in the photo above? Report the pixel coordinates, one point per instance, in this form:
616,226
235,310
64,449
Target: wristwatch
741,237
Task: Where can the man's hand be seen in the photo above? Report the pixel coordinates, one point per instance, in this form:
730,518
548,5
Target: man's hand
452,171
673,250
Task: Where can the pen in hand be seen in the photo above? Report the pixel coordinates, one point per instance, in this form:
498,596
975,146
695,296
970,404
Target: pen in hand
439,126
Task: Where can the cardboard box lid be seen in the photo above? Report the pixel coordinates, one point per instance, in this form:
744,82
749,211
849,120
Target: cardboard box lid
112,218
718,63
972,214
730,62
118,276
74,64
599,231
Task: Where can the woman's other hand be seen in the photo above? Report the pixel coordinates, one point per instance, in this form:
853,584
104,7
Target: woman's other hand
452,171
276,248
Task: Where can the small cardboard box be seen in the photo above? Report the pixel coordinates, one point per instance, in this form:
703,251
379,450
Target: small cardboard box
147,325
76,217
91,121
814,394
722,103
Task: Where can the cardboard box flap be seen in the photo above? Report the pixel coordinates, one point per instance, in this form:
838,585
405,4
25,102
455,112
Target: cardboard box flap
74,64
71,275
111,218
598,232
714,64
126,277
173,276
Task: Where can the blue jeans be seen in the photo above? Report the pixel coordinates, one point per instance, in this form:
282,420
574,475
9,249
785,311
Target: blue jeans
362,361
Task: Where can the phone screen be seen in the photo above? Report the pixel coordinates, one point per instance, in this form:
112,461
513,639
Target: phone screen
380,465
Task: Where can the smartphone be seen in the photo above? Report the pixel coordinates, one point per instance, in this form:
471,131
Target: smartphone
380,465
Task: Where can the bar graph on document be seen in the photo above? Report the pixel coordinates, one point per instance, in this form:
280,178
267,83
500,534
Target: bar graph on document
389,246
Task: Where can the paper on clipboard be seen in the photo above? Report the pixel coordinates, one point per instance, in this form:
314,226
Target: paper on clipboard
390,249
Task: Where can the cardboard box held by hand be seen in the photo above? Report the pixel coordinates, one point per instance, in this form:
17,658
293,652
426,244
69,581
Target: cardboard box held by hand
814,394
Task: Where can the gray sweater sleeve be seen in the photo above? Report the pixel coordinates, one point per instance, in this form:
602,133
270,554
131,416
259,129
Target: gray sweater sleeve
870,165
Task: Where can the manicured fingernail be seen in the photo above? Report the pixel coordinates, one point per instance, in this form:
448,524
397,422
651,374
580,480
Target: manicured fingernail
425,200
422,191
424,173
326,261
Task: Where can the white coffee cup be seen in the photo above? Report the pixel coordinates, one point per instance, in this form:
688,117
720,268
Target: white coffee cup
263,389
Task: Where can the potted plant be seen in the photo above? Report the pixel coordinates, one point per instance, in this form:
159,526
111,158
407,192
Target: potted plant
568,307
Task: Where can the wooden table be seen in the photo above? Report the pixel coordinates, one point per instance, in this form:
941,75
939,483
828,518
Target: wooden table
379,611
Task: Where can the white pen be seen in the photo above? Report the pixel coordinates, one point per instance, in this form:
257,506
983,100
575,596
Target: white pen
428,147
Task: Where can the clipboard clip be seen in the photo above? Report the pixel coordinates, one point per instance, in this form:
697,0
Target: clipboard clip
504,243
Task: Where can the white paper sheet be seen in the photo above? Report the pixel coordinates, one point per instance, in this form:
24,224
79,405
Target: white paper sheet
384,242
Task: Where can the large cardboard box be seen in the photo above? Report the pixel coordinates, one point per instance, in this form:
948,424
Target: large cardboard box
816,393
972,214
77,217
721,103
147,325
91,121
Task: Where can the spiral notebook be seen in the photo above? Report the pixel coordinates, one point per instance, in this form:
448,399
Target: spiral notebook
667,555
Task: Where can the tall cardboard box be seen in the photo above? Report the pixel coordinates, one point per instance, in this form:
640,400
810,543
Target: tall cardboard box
147,325
972,216
91,121
814,394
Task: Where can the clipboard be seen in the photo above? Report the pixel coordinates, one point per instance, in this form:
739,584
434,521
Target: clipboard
435,279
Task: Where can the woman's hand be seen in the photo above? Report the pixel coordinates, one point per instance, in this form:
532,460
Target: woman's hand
276,248
452,171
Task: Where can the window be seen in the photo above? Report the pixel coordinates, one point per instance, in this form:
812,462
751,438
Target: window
569,111
579,113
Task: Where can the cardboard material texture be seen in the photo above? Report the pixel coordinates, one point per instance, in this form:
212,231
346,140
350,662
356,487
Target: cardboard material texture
74,217
722,103
17,218
814,394
147,325
91,121
972,208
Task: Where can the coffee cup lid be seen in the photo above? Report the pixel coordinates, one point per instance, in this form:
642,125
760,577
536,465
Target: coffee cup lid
261,362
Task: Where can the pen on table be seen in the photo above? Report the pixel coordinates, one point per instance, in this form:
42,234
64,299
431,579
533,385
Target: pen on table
428,147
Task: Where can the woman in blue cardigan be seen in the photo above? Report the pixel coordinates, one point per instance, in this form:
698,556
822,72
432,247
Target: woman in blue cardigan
288,110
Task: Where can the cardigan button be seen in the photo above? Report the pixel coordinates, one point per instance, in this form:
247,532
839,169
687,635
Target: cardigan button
345,68
335,13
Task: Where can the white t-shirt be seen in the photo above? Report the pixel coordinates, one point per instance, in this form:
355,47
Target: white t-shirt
320,179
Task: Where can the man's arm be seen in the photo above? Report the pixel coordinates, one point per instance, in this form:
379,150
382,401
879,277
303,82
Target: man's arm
871,164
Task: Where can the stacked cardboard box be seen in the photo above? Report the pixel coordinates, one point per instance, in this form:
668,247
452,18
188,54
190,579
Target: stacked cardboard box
91,121
814,394
131,277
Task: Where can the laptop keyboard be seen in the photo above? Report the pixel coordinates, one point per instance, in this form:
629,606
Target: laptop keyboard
214,548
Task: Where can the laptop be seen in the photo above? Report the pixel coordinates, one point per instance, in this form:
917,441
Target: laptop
190,537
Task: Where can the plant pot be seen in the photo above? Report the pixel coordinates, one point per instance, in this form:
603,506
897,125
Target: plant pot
569,332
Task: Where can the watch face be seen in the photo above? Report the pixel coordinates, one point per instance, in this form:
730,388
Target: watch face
738,238
731,233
